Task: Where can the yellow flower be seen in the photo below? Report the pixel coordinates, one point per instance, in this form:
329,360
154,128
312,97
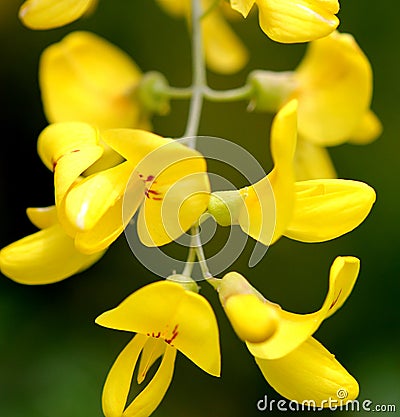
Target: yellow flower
290,21
334,90
87,79
224,51
309,211
166,318
291,360
46,256
333,86
166,179
49,14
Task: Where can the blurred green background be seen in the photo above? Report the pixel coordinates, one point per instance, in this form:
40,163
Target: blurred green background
54,359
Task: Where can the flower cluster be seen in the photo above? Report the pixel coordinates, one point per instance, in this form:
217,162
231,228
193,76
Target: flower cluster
108,166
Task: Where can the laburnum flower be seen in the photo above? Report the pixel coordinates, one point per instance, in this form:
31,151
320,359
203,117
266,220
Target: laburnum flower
333,86
49,14
46,256
277,205
167,319
165,179
291,21
291,360
87,79
224,51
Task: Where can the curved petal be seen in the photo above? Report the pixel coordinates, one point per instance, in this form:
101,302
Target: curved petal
109,227
312,162
310,374
149,399
42,217
44,257
70,166
326,209
291,21
59,139
118,382
242,6
152,350
335,80
86,78
225,52
267,213
293,329
165,310
88,201
368,130
49,14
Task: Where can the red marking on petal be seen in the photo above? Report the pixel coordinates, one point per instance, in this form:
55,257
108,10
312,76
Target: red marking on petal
336,299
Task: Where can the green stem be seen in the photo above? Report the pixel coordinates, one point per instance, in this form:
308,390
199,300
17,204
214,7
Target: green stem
196,242
199,77
187,270
236,94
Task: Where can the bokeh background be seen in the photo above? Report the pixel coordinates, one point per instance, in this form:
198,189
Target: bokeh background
54,359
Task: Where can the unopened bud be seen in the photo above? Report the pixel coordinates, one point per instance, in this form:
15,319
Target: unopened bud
151,93
271,90
253,320
225,207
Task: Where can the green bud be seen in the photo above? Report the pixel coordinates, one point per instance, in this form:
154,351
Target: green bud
270,89
151,93
225,207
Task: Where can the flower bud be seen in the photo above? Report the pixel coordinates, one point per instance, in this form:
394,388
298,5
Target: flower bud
225,207
150,93
271,90
253,318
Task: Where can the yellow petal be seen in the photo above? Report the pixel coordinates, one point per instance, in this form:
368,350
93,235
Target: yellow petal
312,162
44,257
49,14
326,209
293,329
165,310
335,80
109,227
118,382
153,349
42,217
225,52
60,139
174,204
310,374
242,6
176,8
135,145
368,130
267,213
88,201
149,399
291,21
85,78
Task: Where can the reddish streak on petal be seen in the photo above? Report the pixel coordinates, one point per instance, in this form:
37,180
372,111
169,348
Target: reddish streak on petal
335,300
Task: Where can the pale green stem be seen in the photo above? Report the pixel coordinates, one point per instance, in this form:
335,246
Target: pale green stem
236,94
187,270
199,77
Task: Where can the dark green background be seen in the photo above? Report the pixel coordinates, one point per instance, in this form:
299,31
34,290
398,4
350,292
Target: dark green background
54,359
